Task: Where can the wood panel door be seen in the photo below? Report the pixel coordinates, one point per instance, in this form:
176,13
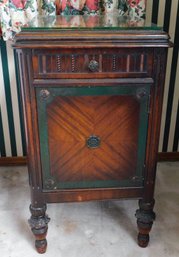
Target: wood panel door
93,137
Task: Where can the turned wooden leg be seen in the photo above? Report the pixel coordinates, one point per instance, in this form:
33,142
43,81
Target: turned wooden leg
145,217
39,226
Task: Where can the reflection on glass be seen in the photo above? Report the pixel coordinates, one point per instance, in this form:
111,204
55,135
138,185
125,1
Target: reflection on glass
106,21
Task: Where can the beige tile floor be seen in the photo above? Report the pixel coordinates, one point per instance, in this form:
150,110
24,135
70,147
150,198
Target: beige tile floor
93,229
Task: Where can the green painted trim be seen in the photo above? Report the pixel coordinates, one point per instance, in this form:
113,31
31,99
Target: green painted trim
2,142
8,97
143,131
97,184
20,105
92,91
42,123
88,91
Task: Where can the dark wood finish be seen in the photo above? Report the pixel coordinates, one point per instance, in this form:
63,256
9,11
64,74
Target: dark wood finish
72,120
82,195
52,62
16,161
91,39
39,226
145,217
76,64
168,157
13,161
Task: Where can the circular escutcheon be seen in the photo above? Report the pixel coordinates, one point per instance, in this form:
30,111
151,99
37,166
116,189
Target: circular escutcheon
93,141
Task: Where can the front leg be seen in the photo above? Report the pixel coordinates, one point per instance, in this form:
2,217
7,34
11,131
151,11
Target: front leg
145,217
39,226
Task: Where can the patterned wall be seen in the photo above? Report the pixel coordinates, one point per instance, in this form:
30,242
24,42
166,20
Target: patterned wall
166,14
11,129
12,143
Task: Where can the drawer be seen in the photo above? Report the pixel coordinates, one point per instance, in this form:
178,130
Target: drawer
92,63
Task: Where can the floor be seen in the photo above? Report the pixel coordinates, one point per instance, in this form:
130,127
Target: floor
89,229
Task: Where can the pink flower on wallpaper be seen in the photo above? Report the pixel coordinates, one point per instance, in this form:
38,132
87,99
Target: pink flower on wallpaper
133,3
3,1
20,4
92,4
78,4
64,4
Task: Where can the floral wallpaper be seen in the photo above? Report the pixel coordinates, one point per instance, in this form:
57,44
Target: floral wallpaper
16,13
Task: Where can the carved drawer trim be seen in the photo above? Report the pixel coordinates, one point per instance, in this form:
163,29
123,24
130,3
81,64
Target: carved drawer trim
61,64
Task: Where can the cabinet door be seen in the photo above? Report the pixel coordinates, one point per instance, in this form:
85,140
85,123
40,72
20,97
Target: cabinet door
92,137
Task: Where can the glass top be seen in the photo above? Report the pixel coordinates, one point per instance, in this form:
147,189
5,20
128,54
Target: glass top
88,22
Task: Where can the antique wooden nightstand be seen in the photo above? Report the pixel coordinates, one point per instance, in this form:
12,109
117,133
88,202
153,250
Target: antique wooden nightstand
92,99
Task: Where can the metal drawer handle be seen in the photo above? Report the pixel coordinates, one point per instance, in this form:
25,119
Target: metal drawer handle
93,65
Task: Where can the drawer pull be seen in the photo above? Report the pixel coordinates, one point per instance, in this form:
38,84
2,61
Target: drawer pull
93,66
93,142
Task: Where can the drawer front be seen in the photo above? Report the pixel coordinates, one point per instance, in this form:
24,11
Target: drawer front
89,63
92,137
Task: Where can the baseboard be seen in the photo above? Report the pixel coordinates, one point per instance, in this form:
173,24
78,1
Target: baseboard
15,161
168,157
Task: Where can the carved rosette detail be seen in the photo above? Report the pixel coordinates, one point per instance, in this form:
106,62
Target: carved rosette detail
50,184
44,94
141,93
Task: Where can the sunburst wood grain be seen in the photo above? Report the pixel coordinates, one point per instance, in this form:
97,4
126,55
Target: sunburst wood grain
73,119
